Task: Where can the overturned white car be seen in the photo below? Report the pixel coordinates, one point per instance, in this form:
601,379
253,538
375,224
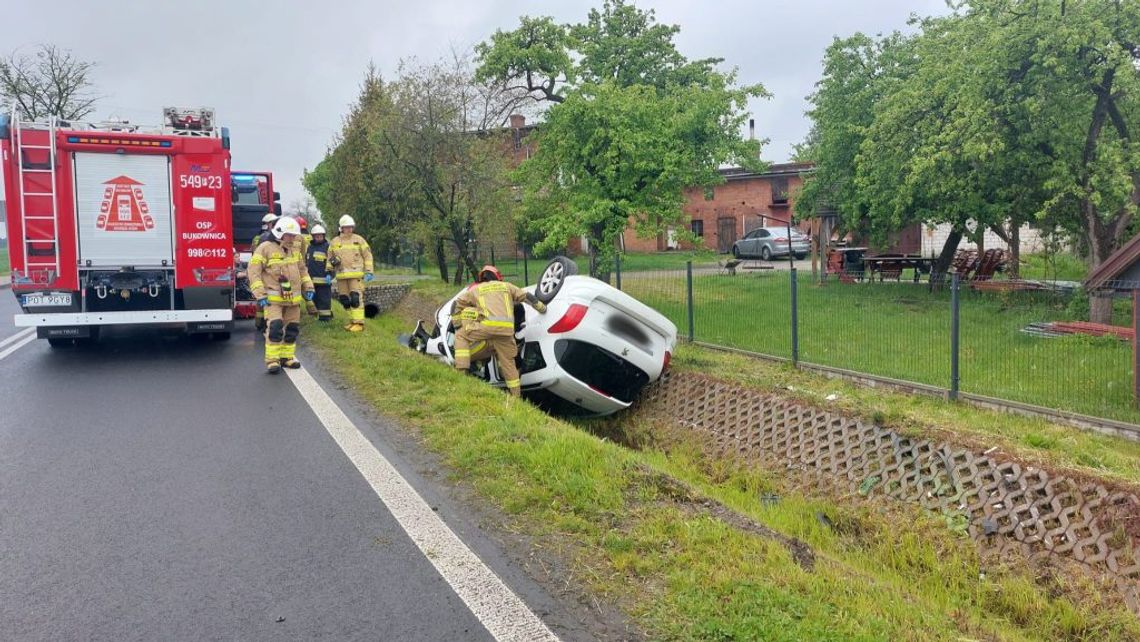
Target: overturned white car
590,354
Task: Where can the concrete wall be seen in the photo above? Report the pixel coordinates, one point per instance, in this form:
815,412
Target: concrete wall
934,237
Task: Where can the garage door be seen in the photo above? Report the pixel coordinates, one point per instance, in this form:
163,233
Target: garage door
124,210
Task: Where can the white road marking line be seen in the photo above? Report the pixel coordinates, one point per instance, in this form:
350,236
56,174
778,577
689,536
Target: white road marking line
503,613
28,338
19,335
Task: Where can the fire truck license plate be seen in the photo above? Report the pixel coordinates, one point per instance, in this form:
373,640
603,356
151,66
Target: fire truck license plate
32,300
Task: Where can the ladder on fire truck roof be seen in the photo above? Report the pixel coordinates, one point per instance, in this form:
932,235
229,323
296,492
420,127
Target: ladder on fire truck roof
35,149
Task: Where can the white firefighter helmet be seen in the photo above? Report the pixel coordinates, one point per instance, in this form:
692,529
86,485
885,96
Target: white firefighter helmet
269,218
317,229
286,225
346,221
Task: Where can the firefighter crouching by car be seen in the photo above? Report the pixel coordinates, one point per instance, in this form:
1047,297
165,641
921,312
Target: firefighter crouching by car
350,259
280,282
266,234
486,314
316,260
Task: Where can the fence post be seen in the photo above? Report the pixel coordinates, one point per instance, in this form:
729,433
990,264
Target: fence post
617,266
954,306
689,296
795,320
419,263
526,271
493,254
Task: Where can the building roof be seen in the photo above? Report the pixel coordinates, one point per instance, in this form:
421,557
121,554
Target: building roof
1115,268
773,170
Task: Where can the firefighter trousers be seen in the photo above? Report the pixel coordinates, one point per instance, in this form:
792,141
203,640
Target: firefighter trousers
476,340
283,326
350,293
322,298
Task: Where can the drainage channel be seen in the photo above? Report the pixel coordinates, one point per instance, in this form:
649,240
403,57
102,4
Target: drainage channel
1011,508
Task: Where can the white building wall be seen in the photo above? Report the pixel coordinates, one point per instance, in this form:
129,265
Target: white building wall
934,237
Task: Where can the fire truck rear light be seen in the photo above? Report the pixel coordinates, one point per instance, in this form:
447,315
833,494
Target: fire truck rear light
570,320
218,275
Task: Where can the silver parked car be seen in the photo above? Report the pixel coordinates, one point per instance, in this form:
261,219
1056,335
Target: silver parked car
767,242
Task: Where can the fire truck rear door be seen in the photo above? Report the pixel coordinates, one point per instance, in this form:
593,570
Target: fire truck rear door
124,210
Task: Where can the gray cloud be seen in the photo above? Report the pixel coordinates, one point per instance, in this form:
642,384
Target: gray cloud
281,74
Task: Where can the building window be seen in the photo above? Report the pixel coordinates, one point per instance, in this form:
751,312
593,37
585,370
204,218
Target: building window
710,194
698,227
780,191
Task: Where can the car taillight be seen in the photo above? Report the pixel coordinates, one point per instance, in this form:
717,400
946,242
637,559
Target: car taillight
570,320
781,240
668,359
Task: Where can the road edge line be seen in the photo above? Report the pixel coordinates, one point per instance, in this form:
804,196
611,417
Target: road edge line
31,336
503,613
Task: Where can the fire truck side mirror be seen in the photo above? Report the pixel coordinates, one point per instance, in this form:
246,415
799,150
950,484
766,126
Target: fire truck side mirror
5,121
277,209
225,138
276,196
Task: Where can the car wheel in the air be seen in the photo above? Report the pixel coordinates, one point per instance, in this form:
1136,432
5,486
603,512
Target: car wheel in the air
550,283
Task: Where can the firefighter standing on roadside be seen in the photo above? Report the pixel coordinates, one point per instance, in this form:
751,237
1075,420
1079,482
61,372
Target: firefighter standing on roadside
280,282
266,234
316,261
487,314
350,259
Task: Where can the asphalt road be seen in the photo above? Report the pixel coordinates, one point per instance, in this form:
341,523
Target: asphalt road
156,487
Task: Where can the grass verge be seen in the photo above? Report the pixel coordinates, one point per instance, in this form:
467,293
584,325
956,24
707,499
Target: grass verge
678,570
4,267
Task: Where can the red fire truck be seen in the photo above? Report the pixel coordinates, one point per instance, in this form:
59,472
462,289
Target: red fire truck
116,224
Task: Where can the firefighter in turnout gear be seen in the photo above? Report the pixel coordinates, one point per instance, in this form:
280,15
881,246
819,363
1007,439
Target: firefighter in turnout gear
350,259
316,260
486,324
266,234
280,282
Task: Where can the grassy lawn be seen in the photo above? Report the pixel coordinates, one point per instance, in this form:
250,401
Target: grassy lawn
679,572
902,331
636,262
1064,267
4,267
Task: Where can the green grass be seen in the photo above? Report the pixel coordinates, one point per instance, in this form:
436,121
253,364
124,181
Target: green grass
903,331
1064,267
678,572
4,267
641,261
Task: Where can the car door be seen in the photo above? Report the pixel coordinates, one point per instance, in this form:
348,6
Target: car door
747,244
763,239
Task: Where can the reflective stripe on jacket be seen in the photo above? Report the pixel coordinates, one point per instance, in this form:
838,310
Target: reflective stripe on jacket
316,258
493,304
354,255
277,273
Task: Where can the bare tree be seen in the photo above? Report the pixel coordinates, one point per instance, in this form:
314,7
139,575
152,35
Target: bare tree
49,82
306,207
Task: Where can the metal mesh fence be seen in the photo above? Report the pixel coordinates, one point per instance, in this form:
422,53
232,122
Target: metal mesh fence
1027,344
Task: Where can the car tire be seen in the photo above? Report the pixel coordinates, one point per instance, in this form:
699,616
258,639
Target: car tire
800,257
766,253
735,252
553,276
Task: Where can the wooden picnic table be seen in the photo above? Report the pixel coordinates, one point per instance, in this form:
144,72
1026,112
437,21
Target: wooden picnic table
894,264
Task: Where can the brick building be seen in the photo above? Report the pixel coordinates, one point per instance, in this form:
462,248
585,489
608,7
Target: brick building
724,213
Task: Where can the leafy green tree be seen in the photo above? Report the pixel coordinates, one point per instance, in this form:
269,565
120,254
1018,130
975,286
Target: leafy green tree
1008,111
631,123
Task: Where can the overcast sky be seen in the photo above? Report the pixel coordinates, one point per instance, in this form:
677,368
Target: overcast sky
281,74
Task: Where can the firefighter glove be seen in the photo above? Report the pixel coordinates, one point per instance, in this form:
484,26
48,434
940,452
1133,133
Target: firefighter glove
368,277
328,279
263,302
309,295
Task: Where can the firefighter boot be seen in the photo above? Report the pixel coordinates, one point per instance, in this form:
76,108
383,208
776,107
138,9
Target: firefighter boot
273,367
356,327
